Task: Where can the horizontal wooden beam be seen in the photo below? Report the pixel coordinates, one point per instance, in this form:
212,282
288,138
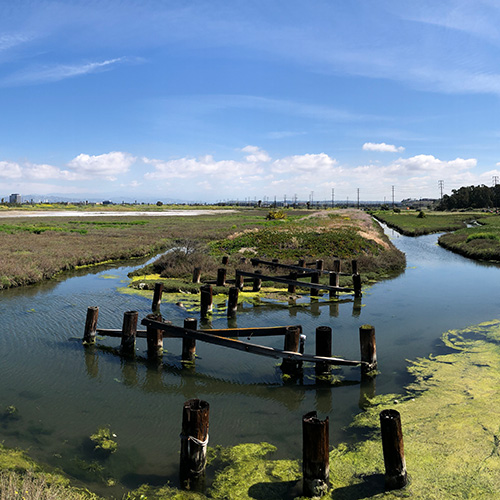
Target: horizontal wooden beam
246,346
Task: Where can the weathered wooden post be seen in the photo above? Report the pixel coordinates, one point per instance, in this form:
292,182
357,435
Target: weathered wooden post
129,331
354,266
315,459
336,266
225,260
368,348
302,263
275,261
320,264
155,306
257,282
239,281
206,300
356,284
314,279
221,276
232,301
154,337
189,345
323,348
333,280
394,454
291,344
196,274
91,325
194,440
293,277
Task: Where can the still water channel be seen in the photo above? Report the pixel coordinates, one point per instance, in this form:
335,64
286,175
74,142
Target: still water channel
64,392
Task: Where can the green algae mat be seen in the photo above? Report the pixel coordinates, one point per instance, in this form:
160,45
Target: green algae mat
450,416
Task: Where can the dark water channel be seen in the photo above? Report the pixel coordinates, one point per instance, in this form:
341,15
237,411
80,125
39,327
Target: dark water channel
64,393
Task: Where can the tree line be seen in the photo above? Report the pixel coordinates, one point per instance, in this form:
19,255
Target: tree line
471,197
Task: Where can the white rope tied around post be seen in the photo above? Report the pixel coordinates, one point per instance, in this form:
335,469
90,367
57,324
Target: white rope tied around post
195,440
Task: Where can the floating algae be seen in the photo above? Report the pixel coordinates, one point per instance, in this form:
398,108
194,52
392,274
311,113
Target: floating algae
450,416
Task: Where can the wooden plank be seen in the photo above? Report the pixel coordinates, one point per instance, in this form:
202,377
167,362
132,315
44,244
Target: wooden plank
265,331
246,346
297,283
300,269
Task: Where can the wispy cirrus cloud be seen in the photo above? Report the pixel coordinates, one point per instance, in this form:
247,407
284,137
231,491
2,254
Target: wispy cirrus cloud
54,73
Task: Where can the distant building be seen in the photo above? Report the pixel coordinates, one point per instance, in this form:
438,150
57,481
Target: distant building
15,198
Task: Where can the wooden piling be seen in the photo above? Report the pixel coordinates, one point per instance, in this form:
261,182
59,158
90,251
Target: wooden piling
323,348
302,263
239,281
221,276
354,266
196,274
155,306
356,284
291,344
314,279
320,264
392,444
225,260
368,348
189,345
315,459
232,301
129,331
293,288
206,300
91,325
154,337
194,440
333,280
257,282
336,266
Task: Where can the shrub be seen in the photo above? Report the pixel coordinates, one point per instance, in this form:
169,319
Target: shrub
421,214
276,215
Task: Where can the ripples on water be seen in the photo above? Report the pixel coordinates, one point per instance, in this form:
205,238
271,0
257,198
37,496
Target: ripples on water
64,392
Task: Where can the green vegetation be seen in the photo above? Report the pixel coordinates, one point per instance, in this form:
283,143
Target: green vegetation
471,197
480,242
412,223
104,441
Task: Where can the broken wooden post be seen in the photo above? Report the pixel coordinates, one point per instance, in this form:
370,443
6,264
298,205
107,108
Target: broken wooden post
196,274
154,337
221,276
314,279
291,344
225,260
315,459
194,440
257,282
239,281
319,264
333,280
274,261
368,348
189,345
155,306
232,301
129,331
356,284
354,266
323,348
206,300
336,266
91,325
293,288
302,263
394,454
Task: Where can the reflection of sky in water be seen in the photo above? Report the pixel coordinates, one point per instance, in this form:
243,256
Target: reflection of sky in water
64,392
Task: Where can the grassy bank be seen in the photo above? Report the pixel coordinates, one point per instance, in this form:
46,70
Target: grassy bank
479,242
327,235
417,223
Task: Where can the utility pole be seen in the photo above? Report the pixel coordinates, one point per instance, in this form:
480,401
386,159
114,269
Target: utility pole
333,197
441,186
393,197
358,198
495,180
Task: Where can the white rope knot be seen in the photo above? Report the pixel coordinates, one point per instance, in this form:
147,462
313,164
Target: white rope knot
195,440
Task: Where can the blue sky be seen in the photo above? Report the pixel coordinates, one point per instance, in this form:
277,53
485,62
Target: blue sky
213,100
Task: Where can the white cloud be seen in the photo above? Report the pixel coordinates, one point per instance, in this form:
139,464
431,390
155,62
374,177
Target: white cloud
107,165
382,147
10,170
428,163
316,164
256,154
